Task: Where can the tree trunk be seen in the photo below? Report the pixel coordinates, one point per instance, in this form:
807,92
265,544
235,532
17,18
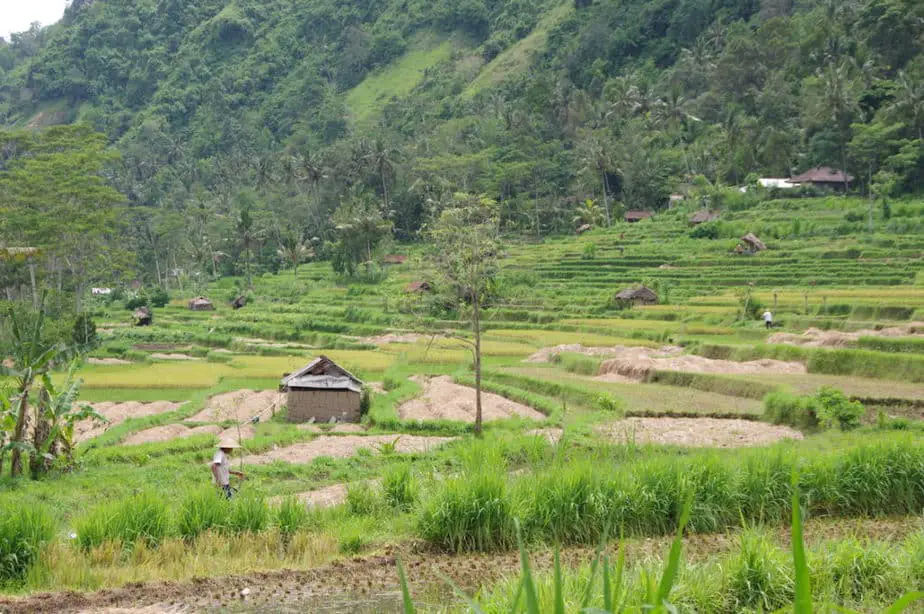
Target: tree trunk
35,299
606,200
476,328
19,430
385,190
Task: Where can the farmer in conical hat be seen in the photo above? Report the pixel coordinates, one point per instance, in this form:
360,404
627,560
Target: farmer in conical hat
221,466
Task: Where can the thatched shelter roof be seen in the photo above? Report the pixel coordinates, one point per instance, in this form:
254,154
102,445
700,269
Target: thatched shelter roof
704,215
239,302
753,243
200,303
143,316
322,373
583,228
637,215
639,293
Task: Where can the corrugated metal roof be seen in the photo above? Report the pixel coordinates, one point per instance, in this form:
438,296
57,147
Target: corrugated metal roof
324,382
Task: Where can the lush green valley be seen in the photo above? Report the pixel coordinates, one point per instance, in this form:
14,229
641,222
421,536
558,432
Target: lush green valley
445,280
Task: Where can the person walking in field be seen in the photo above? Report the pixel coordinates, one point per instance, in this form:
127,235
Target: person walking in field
768,319
221,467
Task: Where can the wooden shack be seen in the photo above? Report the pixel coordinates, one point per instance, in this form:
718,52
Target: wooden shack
702,216
640,295
322,391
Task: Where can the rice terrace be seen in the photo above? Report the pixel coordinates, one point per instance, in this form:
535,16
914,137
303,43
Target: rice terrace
558,306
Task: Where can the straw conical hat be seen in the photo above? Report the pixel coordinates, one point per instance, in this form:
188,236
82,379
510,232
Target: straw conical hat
228,443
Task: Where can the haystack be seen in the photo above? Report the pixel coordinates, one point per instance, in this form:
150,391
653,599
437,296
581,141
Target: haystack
752,243
640,295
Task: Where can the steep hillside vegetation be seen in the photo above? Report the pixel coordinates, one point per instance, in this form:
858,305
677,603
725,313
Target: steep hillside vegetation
285,111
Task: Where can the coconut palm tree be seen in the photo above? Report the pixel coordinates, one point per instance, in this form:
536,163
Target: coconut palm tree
293,249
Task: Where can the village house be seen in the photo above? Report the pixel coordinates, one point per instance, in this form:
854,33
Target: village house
824,177
322,391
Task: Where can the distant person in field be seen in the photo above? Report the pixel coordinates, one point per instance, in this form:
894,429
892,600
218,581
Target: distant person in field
221,467
768,319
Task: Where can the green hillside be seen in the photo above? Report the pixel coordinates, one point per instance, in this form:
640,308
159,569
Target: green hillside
290,109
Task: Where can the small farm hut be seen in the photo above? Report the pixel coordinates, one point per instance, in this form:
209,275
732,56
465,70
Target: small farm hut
323,391
637,216
239,302
752,244
418,287
143,316
640,295
702,216
583,228
200,303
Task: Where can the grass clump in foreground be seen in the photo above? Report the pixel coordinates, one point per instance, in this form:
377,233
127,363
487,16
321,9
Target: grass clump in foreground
577,503
759,578
23,533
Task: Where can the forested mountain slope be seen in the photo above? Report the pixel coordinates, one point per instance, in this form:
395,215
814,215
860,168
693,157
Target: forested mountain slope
246,124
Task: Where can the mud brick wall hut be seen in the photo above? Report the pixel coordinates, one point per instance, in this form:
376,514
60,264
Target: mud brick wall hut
322,391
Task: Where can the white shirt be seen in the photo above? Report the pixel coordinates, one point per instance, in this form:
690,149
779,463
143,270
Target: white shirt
224,467
768,317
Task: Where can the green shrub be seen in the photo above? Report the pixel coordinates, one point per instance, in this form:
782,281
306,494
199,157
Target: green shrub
159,297
365,401
863,570
291,516
834,409
362,500
248,514
399,487
141,517
608,403
202,510
760,577
471,513
84,331
23,532
785,408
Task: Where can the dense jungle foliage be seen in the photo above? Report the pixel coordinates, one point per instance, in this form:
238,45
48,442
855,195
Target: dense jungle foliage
251,134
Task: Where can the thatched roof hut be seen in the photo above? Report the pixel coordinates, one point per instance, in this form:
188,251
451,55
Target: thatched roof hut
639,295
752,243
143,316
200,303
239,302
583,228
702,216
637,216
322,391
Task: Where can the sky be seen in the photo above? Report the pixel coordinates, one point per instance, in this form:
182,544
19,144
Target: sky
18,15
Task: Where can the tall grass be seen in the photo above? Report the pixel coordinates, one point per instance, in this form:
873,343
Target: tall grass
144,517
202,510
23,533
248,514
291,516
471,513
399,487
576,503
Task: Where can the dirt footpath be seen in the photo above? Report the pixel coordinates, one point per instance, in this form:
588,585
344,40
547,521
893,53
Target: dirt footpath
168,432
241,406
393,338
344,446
444,400
107,361
697,432
118,413
549,354
814,337
637,363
